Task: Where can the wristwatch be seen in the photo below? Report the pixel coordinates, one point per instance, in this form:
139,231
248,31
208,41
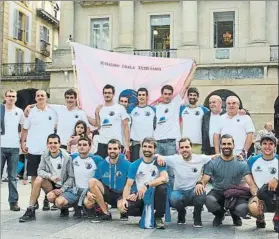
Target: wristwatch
146,185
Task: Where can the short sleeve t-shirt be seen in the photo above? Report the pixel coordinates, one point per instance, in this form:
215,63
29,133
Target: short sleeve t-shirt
143,172
142,122
213,124
192,122
111,123
66,120
263,170
167,120
226,173
40,124
84,170
238,127
12,120
186,173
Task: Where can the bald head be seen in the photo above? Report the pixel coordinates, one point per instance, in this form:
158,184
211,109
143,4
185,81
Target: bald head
41,97
215,104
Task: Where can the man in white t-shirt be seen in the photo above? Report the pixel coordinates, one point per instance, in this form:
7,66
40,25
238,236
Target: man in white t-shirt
143,120
40,123
67,116
192,119
264,168
167,131
241,128
112,120
187,168
11,118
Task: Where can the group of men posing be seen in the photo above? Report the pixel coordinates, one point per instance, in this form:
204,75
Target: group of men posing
151,132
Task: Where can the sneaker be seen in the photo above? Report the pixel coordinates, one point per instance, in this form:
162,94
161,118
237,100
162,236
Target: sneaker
54,207
236,220
14,207
181,217
124,217
77,213
218,220
64,212
29,215
159,223
260,223
103,217
276,223
197,220
91,213
46,206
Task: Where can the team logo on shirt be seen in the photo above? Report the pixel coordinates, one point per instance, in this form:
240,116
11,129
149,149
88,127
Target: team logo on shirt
238,120
186,112
147,113
49,117
76,163
106,123
153,174
136,114
194,170
111,113
272,170
106,175
140,173
118,174
197,113
76,116
59,166
166,110
88,165
258,169
162,120
16,113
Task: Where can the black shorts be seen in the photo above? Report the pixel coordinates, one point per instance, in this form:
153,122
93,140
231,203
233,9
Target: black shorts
135,208
33,162
111,196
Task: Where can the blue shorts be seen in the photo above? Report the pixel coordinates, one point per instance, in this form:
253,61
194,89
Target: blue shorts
71,196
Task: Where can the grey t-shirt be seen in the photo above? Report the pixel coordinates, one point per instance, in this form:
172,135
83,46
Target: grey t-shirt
226,173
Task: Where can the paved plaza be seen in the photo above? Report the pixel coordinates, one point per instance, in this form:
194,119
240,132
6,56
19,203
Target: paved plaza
49,225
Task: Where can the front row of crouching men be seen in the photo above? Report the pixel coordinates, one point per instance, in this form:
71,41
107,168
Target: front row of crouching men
87,182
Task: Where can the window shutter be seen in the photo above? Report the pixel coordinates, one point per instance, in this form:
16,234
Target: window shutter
16,16
26,37
47,35
41,32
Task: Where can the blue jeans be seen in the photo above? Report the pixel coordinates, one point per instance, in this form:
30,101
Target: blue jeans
11,156
182,198
167,149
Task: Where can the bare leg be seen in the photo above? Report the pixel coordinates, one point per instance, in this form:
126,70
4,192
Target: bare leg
37,185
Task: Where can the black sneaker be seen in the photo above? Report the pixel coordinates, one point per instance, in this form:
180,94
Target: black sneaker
103,217
77,213
54,207
91,213
64,212
181,217
46,206
14,207
236,220
159,223
124,217
36,206
29,215
218,220
197,219
276,223
260,223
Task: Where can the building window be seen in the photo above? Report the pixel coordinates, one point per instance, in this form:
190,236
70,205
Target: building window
160,32
45,45
18,68
21,26
44,34
100,33
224,31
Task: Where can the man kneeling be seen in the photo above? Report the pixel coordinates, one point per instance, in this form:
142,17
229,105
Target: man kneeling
55,175
147,175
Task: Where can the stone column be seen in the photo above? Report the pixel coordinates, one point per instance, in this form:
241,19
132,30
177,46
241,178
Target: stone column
257,22
67,23
189,23
126,25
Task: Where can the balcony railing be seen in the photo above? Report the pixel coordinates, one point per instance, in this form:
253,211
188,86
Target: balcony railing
274,53
170,53
45,48
25,71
